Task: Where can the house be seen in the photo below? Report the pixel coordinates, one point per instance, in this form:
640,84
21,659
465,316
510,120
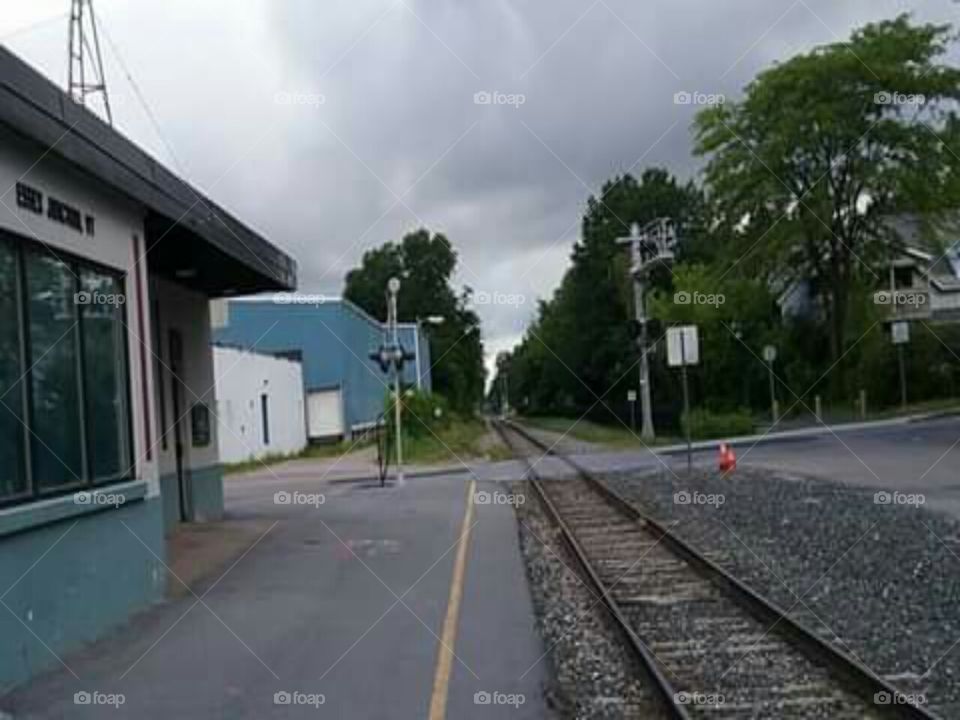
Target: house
921,281
108,438
346,389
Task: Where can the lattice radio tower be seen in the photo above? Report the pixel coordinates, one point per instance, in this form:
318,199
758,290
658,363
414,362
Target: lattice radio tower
85,69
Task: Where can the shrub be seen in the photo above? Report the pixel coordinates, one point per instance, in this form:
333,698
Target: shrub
423,413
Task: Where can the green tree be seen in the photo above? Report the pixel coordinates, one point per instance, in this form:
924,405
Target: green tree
806,171
425,263
579,348
735,318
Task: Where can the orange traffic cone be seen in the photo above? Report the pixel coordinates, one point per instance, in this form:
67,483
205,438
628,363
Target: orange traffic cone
728,459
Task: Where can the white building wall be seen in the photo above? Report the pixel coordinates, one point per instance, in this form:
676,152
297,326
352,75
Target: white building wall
117,243
242,379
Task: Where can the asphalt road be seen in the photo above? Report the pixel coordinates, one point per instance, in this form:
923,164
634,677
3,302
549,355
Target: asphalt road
919,457
345,601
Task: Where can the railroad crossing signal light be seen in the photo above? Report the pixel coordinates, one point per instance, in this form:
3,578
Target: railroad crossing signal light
386,355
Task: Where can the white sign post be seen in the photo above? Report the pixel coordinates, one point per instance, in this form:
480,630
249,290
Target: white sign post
770,355
632,399
683,349
900,335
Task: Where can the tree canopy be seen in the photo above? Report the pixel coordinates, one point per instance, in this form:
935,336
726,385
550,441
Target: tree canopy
425,264
807,170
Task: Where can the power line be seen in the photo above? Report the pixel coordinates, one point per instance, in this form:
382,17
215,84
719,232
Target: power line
151,118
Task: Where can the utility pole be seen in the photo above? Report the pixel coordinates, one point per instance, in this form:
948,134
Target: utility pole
84,61
899,339
652,244
505,402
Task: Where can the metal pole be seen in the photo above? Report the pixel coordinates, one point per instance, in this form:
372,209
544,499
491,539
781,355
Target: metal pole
774,411
506,394
686,402
900,354
647,433
417,351
657,237
396,382
903,377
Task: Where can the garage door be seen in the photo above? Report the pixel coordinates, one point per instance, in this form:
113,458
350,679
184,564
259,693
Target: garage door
324,413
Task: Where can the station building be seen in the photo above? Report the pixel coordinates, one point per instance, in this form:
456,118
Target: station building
345,389
107,436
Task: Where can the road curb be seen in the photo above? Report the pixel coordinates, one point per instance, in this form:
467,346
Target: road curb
406,474
803,434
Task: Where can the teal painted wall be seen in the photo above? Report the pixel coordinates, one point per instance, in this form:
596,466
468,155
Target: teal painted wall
92,580
206,501
171,501
207,484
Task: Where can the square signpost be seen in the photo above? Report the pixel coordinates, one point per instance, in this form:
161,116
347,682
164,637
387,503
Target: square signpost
683,349
769,357
900,336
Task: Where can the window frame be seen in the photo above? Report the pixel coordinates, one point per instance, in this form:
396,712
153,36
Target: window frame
27,494
21,247
124,435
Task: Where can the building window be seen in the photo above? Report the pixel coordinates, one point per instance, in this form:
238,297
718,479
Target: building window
55,417
265,418
105,388
63,369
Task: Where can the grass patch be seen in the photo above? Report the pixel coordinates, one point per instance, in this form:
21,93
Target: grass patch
256,464
460,439
326,450
941,405
616,436
330,450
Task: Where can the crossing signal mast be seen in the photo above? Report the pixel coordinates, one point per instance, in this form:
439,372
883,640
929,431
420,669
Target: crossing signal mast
85,64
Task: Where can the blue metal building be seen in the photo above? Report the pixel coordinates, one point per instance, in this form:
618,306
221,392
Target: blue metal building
345,389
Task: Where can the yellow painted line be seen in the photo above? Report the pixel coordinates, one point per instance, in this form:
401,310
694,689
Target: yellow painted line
441,678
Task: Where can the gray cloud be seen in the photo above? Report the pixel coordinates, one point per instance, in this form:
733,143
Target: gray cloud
507,184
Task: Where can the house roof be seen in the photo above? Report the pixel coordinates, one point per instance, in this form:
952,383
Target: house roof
182,225
941,258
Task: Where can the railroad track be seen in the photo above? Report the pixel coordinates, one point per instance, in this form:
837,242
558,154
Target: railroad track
709,645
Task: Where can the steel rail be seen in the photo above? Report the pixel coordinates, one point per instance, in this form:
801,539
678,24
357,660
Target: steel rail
859,678
636,646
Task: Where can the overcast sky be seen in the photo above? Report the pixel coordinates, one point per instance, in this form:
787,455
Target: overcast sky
332,127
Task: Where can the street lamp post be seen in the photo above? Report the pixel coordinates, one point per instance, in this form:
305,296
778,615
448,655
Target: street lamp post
393,287
651,244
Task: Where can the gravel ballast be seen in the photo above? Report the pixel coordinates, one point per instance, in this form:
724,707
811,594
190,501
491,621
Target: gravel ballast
875,575
592,676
